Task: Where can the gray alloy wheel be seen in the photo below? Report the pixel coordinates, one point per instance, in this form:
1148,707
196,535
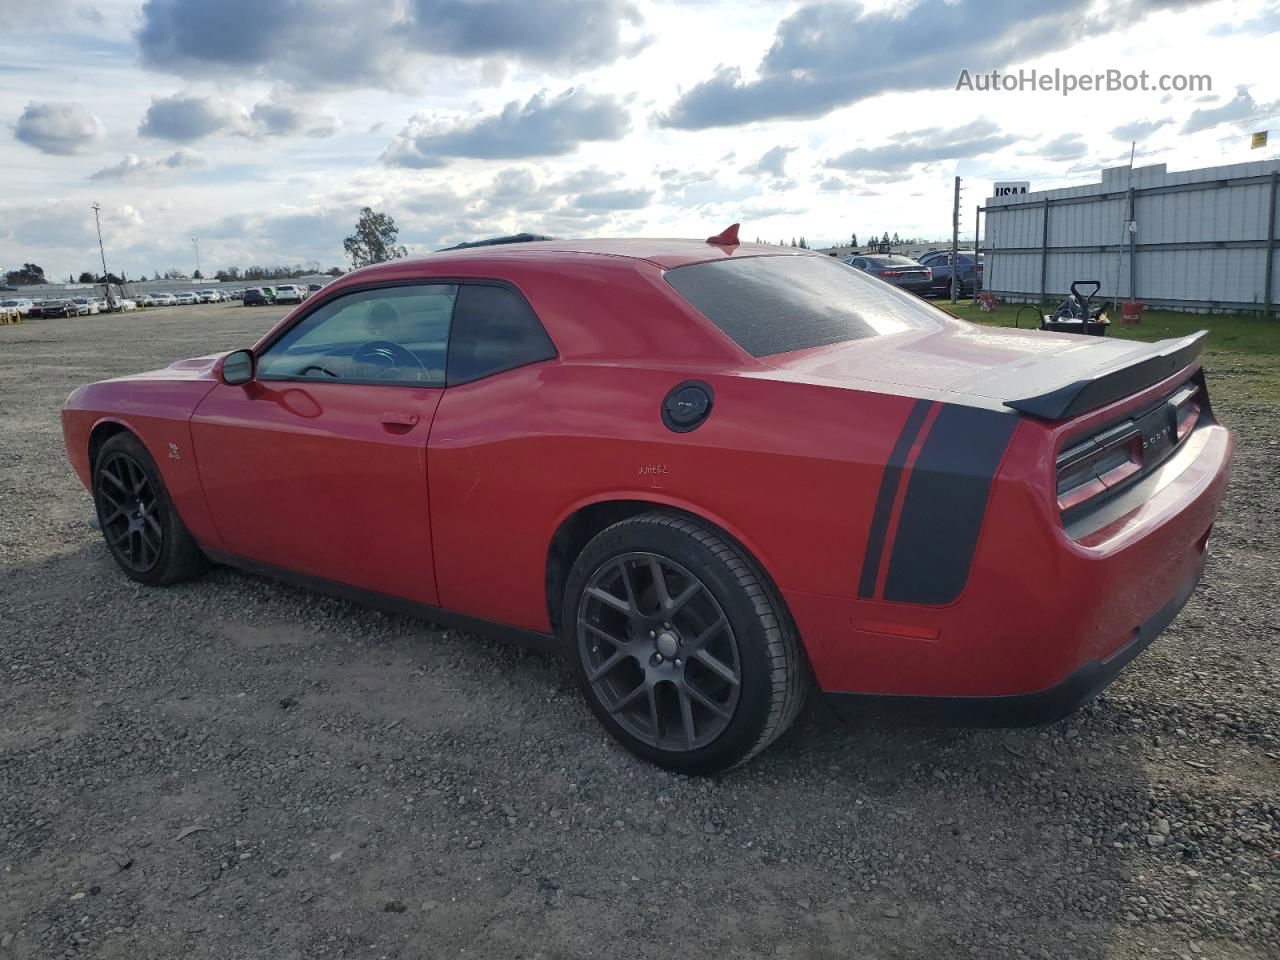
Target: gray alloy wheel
659,652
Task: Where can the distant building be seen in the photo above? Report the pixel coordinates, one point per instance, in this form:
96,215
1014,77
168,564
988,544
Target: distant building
1194,239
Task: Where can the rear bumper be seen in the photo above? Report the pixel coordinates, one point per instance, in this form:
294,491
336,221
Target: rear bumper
1025,709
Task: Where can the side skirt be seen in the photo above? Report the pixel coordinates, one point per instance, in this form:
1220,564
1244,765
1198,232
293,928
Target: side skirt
519,636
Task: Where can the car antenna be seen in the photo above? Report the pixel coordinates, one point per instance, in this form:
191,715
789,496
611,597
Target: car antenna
729,238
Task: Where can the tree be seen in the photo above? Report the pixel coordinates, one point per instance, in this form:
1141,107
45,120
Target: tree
86,277
803,244
374,240
895,237
30,273
853,240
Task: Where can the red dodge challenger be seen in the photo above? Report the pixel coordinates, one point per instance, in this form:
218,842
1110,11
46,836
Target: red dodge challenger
710,474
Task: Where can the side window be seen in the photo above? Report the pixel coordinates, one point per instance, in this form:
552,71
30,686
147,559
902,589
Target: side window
494,329
860,263
392,335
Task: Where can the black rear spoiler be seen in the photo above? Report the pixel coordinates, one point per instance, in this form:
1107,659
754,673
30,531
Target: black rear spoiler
1095,388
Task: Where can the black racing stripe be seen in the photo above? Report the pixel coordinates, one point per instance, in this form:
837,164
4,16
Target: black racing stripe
945,504
888,493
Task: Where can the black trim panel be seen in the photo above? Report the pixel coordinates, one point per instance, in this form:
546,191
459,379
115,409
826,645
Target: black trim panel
945,505
1162,359
889,481
520,636
1023,709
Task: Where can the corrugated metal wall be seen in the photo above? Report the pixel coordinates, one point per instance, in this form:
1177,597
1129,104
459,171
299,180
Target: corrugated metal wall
1201,239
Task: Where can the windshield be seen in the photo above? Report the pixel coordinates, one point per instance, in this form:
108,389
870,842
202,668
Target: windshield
776,304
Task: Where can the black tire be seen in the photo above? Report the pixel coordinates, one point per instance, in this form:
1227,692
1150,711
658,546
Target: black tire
758,650
141,528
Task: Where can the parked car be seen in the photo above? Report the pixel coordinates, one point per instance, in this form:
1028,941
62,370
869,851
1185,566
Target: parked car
125,304
314,287
86,305
255,297
289,293
187,297
970,268
235,295
210,296
21,304
165,299
269,293
900,271
766,467
146,300
59,308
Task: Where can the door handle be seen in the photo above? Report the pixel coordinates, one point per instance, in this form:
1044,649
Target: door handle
400,419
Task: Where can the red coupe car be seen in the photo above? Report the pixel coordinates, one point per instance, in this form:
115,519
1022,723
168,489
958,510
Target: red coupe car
711,474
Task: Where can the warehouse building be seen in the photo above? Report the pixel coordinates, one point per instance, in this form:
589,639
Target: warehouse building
1201,240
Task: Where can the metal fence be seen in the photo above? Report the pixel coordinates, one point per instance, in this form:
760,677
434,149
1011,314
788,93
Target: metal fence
1199,239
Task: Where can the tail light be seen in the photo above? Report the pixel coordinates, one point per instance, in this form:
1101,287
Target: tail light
890,273
1120,453
928,273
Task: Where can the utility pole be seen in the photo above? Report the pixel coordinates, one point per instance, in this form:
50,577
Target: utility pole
97,219
955,245
195,242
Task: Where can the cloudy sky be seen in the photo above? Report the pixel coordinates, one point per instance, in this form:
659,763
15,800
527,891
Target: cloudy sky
262,126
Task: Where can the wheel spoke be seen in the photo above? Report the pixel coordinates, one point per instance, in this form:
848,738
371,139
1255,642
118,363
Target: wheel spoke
653,713
706,701
660,584
616,658
108,475
120,536
626,701
700,641
610,600
601,634
628,586
116,512
686,718
717,666
674,606
153,523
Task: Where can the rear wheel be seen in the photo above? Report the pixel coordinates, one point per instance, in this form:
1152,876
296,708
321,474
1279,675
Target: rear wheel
139,523
681,647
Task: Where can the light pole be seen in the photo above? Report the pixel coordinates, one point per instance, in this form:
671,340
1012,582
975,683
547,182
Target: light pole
102,253
195,242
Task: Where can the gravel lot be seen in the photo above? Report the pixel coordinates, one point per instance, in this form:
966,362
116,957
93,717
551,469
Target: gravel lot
234,768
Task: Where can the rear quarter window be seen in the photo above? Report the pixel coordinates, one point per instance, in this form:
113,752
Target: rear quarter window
777,304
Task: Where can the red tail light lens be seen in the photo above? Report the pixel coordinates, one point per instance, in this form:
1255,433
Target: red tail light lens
890,273
1102,462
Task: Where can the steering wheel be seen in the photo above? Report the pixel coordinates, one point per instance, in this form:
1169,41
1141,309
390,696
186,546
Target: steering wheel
315,366
386,357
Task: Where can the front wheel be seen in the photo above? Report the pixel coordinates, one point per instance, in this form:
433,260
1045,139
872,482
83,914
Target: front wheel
680,645
139,523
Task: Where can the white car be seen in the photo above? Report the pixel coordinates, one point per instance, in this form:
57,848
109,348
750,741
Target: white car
86,305
124,304
146,300
164,299
289,293
187,297
21,304
210,296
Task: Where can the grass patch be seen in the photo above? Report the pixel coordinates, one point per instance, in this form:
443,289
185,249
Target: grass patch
1242,353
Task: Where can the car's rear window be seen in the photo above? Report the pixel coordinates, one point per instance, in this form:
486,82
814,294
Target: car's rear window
893,261
776,304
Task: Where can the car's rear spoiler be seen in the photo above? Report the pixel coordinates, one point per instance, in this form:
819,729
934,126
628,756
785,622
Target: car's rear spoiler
1089,387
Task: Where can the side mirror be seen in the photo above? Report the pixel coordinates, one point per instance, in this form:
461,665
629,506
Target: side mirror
238,368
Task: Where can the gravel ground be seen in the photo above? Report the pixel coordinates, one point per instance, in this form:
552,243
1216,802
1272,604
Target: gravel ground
234,768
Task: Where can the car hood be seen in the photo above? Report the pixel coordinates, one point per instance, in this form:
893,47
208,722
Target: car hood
196,368
1044,374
